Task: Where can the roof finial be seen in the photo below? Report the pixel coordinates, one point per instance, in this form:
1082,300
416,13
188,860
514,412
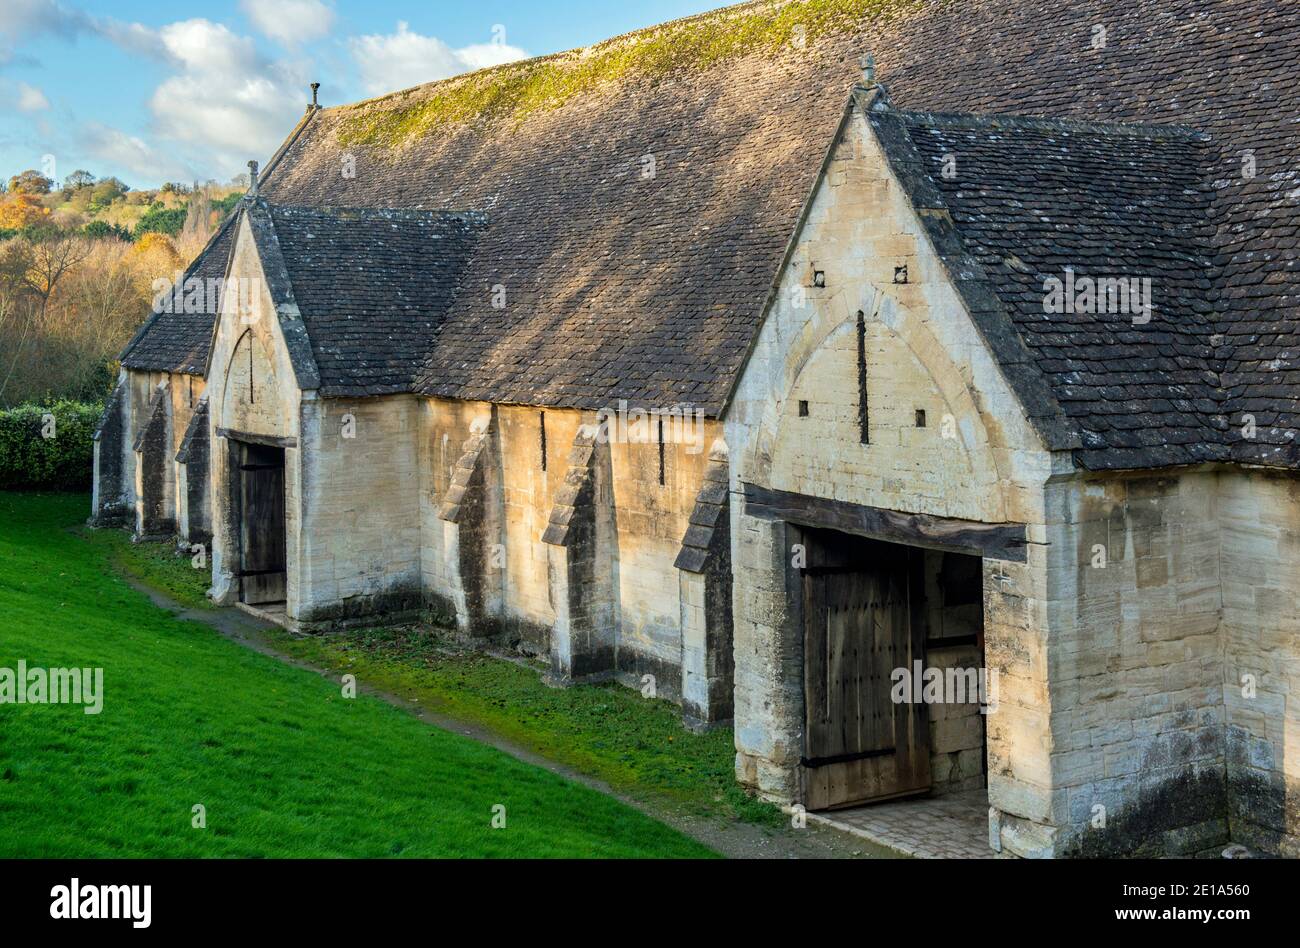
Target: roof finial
868,63
315,87
252,179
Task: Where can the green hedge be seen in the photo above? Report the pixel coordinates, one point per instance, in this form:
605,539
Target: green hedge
28,460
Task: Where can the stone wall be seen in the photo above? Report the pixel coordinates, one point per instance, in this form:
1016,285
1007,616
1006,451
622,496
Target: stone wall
160,472
517,493
1136,663
839,321
110,471
652,504
252,392
155,480
193,488
1259,518
357,547
704,567
637,526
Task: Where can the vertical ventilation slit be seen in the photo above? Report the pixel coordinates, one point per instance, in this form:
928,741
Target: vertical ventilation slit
862,378
661,452
543,439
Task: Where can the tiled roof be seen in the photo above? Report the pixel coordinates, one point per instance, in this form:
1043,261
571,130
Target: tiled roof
178,341
622,283
601,277
1048,204
372,286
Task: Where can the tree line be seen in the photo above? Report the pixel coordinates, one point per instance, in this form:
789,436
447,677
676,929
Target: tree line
77,264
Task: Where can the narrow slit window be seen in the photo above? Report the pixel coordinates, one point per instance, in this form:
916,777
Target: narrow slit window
863,436
661,452
251,399
542,439
920,418
803,408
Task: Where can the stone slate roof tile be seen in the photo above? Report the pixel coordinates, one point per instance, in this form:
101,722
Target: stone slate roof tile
178,342
1040,199
650,288
373,286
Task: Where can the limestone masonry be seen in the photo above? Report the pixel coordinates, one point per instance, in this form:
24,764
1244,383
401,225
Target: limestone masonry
948,336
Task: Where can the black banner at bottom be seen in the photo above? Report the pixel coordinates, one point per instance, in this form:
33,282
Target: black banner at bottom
335,898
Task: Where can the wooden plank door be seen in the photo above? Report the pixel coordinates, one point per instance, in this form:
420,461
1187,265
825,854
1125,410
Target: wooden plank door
262,535
859,625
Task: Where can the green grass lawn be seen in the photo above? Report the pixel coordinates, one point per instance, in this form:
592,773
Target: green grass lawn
157,566
609,731
282,763
637,746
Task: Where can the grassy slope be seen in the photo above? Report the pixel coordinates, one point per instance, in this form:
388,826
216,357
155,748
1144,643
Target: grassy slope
283,764
608,731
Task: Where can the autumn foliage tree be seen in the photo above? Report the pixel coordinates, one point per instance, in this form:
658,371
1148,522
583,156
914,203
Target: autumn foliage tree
20,210
67,305
30,182
77,272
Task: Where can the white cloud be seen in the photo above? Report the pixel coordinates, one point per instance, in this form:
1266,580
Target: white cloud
225,104
204,45
290,22
31,99
29,17
21,19
222,104
133,154
404,59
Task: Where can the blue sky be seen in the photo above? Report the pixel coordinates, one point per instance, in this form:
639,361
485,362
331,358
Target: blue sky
191,89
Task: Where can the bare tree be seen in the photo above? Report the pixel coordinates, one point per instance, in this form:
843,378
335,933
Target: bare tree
52,255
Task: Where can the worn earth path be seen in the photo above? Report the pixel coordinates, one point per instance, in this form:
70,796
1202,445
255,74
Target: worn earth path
731,838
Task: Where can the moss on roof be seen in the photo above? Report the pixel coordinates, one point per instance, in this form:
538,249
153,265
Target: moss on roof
517,90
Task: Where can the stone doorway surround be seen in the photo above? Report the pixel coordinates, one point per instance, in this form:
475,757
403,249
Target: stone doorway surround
770,692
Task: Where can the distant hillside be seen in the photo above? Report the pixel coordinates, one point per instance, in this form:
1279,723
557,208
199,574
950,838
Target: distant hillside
77,268
108,207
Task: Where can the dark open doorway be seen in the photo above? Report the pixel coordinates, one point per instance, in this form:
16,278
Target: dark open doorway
262,556
871,609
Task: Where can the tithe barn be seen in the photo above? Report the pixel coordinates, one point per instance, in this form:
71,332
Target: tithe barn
805,359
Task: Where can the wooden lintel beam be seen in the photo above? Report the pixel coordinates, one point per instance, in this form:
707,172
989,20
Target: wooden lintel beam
999,541
270,441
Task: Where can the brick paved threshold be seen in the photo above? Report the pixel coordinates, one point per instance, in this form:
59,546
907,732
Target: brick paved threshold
953,826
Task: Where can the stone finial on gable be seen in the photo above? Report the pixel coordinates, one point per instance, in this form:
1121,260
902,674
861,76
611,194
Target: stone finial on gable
868,64
315,88
252,179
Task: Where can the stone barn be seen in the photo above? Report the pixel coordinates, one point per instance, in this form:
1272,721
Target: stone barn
908,384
